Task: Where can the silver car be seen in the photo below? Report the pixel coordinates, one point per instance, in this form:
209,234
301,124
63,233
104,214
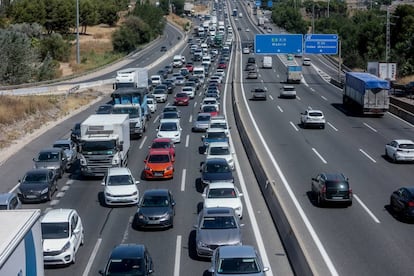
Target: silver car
202,122
70,150
216,227
53,159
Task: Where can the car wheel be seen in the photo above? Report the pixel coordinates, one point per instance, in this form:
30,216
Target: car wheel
49,195
319,200
322,126
82,239
73,258
394,158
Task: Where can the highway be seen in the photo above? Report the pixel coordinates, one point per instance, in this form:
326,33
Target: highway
172,250
365,239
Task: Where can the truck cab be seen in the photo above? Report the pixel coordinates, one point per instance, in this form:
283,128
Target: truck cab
137,120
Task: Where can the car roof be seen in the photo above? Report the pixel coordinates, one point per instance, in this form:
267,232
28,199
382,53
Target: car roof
51,150
128,251
404,141
57,215
162,140
159,152
219,144
237,251
217,185
156,192
221,211
118,171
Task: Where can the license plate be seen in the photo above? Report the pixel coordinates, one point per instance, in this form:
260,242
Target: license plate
153,222
31,196
336,197
158,174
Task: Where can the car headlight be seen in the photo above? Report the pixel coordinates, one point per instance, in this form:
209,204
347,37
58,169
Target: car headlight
141,216
65,247
237,208
115,160
169,168
177,134
82,161
202,244
135,193
231,160
146,168
206,181
108,194
44,191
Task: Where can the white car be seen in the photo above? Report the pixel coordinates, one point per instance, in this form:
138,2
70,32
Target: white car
160,95
312,117
152,104
219,122
223,194
400,150
170,129
189,90
288,91
62,235
120,187
156,80
220,150
216,78
210,101
306,62
246,50
221,72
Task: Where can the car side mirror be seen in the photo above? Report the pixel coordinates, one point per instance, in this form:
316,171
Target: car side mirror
173,203
265,269
103,183
242,225
34,159
195,226
136,182
203,195
240,194
76,231
101,272
313,179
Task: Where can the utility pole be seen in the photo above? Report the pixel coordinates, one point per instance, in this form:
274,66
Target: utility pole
77,33
387,41
313,17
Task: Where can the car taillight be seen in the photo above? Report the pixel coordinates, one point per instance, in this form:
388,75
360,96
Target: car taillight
410,203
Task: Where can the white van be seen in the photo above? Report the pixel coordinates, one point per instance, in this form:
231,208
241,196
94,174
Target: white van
288,91
267,62
177,61
199,71
204,46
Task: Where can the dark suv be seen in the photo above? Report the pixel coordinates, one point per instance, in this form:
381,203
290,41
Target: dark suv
332,188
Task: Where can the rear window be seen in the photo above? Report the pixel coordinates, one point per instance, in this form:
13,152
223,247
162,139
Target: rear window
289,88
407,146
338,185
315,114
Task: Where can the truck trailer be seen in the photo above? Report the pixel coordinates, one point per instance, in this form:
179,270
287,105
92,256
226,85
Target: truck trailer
132,77
104,143
366,93
21,251
294,74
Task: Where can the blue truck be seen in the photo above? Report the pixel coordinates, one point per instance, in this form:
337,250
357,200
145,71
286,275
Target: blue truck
366,93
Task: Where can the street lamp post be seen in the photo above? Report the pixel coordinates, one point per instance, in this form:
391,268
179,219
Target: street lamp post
77,33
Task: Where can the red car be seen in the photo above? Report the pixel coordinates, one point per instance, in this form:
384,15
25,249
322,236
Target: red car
181,99
189,67
163,144
159,164
222,65
212,109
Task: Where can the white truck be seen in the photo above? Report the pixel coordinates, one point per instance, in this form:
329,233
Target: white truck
104,143
21,251
131,77
137,121
260,21
294,74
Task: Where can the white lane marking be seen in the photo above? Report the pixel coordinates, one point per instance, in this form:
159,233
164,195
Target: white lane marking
190,119
65,188
370,127
367,155
195,104
177,256
143,142
54,202
156,119
199,94
14,188
297,97
396,117
313,90
255,226
270,96
320,156
293,125
331,125
280,109
366,209
60,194
70,182
92,257
183,176
126,232
187,140
323,97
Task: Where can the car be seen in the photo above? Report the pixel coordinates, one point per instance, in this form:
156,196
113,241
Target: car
169,83
163,73
222,64
306,62
163,144
104,109
222,150
76,133
62,235
215,170
402,202
190,66
236,260
252,74
52,158
152,104
160,95
220,122
290,57
312,117
180,80
159,165
70,150
37,185
156,80
181,99
221,72
9,201
162,86
171,108
192,84
155,210
400,150
331,188
216,226
216,79
170,116
210,100
189,90
201,122
210,108
163,49
246,50
250,67
288,91
184,72
129,259
120,187
214,135
169,68
259,93
170,129
247,30
251,60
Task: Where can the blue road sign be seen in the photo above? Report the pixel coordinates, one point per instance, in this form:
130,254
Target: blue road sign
278,43
258,3
269,3
321,44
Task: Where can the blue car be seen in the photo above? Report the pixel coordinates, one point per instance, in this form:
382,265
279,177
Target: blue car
213,135
214,170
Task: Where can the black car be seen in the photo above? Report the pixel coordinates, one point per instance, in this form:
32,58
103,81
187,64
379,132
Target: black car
163,73
331,188
402,201
76,133
104,109
214,170
251,60
155,210
169,68
163,49
170,85
129,259
37,185
250,67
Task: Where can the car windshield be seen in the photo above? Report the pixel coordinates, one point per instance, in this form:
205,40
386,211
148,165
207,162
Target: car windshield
168,127
48,156
209,109
218,125
203,118
117,180
155,201
160,145
238,266
133,112
219,151
55,230
216,135
406,146
35,177
126,267
169,115
181,95
222,193
217,168
159,91
226,222
62,145
106,147
159,158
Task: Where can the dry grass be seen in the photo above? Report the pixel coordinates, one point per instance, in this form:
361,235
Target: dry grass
180,21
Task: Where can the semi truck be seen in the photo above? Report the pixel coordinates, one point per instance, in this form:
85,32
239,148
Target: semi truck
366,93
131,77
137,121
134,96
21,251
104,143
294,74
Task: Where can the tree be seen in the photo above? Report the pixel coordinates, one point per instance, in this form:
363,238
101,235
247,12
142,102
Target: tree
47,70
55,47
88,14
60,16
28,11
